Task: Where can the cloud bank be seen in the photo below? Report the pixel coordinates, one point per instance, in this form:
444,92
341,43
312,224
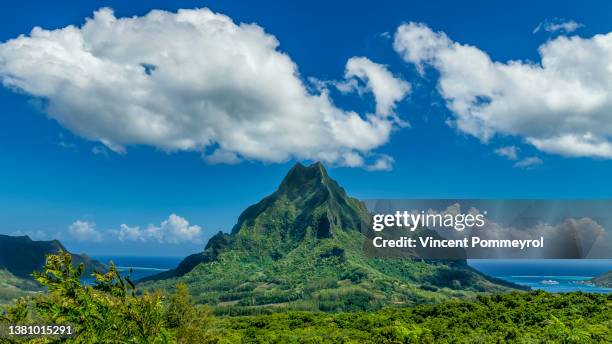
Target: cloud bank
561,105
174,230
195,80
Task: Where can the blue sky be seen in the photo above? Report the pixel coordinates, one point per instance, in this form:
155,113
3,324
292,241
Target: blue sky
50,177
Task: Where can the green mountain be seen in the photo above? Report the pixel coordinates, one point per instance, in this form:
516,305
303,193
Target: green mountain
604,280
21,255
301,248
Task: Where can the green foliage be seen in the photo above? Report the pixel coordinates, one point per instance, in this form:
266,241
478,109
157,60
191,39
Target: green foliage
110,310
534,317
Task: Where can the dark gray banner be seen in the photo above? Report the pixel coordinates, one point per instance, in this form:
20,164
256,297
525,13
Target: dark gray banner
480,229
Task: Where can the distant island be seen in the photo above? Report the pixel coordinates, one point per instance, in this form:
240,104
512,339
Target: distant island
604,280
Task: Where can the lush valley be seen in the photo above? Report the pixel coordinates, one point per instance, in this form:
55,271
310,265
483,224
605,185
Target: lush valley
527,317
301,248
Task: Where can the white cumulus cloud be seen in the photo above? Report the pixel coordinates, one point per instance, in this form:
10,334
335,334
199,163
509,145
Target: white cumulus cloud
387,89
561,105
193,80
174,230
84,231
127,233
383,163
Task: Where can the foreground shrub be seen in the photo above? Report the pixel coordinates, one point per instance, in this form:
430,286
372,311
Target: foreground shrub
109,310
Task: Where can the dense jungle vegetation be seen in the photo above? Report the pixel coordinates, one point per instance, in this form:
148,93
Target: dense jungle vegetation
112,311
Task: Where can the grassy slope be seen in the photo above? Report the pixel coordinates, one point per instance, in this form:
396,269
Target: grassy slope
12,287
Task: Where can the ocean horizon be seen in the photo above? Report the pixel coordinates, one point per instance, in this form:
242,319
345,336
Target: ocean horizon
141,266
552,275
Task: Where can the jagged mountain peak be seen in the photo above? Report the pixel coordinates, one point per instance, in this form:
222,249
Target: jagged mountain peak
314,170
310,197
301,177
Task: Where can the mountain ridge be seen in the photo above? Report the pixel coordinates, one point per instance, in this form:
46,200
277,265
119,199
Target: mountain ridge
20,255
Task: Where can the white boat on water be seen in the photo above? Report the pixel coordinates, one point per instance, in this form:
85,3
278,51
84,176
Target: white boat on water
549,282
